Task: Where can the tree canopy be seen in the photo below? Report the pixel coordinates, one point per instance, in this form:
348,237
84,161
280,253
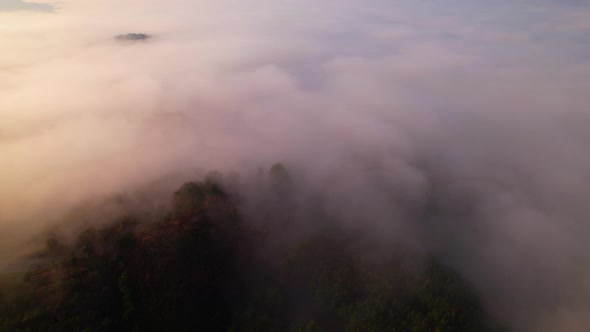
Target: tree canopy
204,267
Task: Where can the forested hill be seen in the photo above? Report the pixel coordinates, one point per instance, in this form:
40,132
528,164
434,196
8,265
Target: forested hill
205,267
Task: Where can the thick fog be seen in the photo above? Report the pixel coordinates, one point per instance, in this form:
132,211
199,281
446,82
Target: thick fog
463,126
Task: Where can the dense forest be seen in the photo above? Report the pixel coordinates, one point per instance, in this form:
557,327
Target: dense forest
205,266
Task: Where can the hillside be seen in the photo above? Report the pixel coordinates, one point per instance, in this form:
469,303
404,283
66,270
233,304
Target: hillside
206,267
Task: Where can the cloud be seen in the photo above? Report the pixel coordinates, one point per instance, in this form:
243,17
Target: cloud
18,5
462,126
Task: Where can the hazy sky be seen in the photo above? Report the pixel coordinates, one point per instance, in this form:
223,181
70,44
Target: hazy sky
361,97
18,5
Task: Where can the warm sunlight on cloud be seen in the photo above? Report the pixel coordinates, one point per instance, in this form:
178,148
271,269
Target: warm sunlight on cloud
475,90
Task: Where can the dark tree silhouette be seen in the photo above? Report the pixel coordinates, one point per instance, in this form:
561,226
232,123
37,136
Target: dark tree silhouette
205,268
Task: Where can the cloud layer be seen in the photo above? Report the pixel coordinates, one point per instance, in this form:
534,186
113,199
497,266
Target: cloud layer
476,113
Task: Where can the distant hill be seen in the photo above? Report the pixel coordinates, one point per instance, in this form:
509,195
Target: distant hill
133,37
18,5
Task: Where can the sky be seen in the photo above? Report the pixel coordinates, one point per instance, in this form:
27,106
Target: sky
377,104
18,5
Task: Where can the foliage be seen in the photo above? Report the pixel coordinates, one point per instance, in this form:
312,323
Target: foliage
205,268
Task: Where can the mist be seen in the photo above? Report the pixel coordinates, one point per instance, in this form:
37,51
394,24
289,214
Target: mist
459,126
